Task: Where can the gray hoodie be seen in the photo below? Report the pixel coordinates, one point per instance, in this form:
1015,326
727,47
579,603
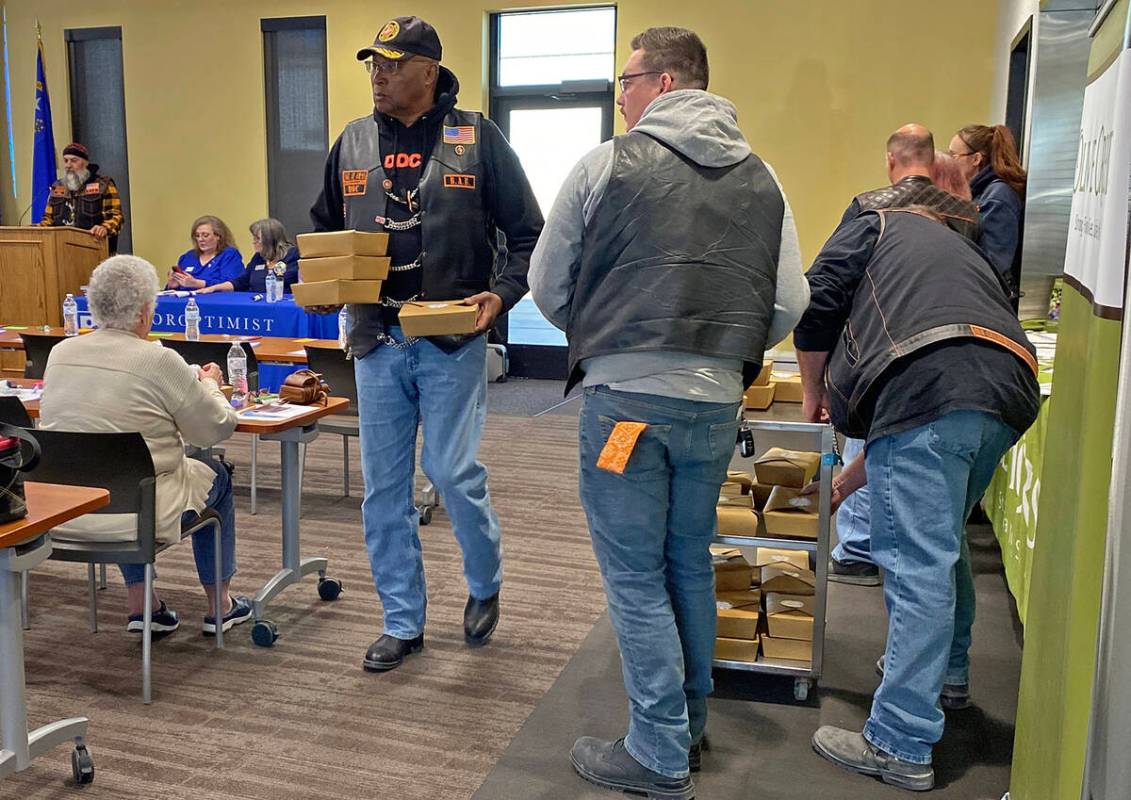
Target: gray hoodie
704,128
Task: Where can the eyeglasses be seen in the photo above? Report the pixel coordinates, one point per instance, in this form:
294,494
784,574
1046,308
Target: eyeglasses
385,67
624,79
960,155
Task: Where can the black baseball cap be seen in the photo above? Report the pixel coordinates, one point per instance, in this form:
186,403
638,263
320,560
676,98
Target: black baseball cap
401,37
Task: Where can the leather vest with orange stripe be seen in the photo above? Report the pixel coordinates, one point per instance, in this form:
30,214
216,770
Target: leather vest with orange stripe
924,285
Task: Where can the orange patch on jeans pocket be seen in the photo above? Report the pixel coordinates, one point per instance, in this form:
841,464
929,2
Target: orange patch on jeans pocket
618,449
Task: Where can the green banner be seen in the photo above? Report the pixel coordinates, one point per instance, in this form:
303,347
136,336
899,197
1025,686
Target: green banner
1011,504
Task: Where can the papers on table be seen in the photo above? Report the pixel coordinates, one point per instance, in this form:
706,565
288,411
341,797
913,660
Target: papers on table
175,293
273,412
26,395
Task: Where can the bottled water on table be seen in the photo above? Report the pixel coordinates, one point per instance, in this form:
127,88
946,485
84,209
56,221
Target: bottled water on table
343,327
237,373
279,285
192,321
271,281
70,316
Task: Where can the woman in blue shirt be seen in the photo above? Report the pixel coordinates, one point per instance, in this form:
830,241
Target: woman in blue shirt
988,158
213,259
274,251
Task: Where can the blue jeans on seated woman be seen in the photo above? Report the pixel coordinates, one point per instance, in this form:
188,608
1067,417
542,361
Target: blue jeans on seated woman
203,548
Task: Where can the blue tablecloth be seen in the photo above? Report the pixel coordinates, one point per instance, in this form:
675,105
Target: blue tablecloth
237,312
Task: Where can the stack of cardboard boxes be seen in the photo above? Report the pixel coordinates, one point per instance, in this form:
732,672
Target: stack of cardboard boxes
787,513
772,386
784,627
341,267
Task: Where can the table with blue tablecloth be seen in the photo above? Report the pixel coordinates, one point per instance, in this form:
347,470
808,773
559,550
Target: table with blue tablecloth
240,313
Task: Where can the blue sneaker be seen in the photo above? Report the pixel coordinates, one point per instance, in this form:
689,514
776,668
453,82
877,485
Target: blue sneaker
240,612
164,620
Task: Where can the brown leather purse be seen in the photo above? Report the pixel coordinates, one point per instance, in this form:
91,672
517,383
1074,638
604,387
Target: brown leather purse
304,388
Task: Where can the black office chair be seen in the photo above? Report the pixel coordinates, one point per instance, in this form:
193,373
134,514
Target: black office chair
337,370
12,412
201,353
121,463
37,346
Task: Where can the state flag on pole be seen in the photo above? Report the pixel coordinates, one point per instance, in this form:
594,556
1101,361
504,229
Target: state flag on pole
43,152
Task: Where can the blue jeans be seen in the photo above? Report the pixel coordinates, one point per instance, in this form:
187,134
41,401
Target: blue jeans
445,393
925,482
852,524
203,548
651,527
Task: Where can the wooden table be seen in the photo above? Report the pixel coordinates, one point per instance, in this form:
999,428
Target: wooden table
24,544
269,349
290,433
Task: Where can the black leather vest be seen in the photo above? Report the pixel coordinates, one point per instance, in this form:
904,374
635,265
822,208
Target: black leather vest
678,257
923,286
457,233
960,215
82,209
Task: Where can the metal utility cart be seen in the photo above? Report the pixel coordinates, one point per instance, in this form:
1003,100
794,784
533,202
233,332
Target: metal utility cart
820,438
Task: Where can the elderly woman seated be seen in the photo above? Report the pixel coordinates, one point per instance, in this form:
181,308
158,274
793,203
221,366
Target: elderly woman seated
115,380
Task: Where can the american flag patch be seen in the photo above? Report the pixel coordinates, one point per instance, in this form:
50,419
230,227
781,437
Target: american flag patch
462,134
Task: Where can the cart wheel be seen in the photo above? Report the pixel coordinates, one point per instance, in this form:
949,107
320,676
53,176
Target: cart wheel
82,765
329,588
264,633
426,515
801,689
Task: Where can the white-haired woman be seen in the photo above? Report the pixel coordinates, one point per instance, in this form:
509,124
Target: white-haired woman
116,380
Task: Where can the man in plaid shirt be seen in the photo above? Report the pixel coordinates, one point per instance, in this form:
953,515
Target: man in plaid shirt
84,199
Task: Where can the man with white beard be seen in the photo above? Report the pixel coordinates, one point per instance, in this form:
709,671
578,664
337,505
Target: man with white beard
82,198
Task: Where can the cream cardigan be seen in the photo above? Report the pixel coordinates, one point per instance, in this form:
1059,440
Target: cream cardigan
112,381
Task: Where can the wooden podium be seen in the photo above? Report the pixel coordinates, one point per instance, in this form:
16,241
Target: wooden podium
39,267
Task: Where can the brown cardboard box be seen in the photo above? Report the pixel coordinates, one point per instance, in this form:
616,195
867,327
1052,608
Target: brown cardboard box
790,616
736,649
758,398
733,573
761,493
794,468
343,268
737,520
740,479
763,378
335,293
787,579
784,649
789,514
767,556
437,318
787,387
738,614
342,243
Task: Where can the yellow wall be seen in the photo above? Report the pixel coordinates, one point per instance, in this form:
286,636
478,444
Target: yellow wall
818,85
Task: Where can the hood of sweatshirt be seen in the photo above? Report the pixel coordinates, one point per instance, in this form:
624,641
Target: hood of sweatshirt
700,125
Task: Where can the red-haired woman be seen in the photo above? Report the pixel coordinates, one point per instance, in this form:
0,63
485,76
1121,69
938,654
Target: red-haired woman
988,158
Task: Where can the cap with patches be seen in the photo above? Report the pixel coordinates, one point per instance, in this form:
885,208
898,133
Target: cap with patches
402,37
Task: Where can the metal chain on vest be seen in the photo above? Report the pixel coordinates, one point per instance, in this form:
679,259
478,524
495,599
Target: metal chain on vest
407,225
408,267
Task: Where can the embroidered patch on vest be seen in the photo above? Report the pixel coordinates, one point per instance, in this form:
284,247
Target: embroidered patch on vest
460,134
92,188
456,180
353,182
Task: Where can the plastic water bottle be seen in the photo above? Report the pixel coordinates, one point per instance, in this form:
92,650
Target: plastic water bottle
271,282
192,321
343,327
279,287
70,316
237,373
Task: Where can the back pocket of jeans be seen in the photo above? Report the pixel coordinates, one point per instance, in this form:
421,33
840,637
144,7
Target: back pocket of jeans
650,449
723,437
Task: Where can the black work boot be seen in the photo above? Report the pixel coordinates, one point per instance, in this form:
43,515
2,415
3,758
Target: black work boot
695,754
479,619
388,652
609,765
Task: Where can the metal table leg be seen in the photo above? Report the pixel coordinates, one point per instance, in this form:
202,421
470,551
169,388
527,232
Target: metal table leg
18,746
264,632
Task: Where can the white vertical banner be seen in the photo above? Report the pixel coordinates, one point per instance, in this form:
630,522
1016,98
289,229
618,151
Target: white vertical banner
1096,256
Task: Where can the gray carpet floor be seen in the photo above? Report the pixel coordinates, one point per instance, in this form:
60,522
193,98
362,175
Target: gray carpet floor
761,737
